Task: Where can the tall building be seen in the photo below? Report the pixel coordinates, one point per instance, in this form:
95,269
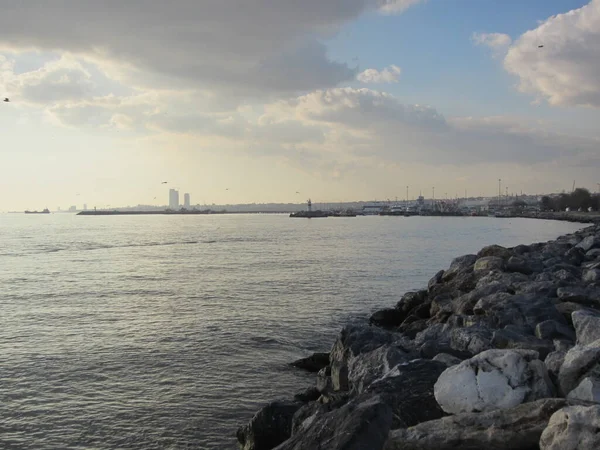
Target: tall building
186,200
173,199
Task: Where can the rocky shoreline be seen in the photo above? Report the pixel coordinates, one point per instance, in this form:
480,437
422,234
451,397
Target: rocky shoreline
500,351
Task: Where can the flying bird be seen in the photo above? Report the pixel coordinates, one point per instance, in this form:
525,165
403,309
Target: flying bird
164,182
6,99
226,189
540,46
297,192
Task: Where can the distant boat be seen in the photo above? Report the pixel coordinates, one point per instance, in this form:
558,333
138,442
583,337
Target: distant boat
45,211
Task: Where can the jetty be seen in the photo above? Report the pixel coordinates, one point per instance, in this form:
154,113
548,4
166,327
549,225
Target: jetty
501,351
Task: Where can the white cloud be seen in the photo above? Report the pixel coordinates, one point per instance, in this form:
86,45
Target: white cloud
566,70
495,41
397,6
390,74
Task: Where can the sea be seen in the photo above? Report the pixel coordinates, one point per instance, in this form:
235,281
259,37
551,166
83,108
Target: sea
169,332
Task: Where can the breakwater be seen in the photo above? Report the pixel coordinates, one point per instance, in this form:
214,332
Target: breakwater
501,350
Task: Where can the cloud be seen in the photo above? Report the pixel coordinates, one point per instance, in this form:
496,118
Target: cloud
390,74
565,72
496,41
247,49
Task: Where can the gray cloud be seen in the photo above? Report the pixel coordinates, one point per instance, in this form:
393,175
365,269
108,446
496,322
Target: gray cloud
249,47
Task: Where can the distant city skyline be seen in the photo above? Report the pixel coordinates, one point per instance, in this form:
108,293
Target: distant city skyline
272,103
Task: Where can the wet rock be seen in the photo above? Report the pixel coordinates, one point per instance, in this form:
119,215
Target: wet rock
447,359
367,367
269,427
517,428
387,318
551,329
312,363
591,276
511,338
494,379
496,251
589,243
580,361
572,428
488,263
523,309
310,394
588,390
517,264
358,425
408,390
587,326
411,300
355,340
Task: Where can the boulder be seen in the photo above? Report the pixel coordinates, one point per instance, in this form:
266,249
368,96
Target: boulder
310,394
387,318
269,427
358,425
408,390
551,329
473,340
575,256
580,361
564,276
591,276
540,288
488,263
517,428
465,303
437,278
495,250
413,326
352,341
461,264
312,363
553,362
593,254
521,249
589,243
517,264
524,309
589,295
411,300
587,326
572,428
447,359
588,390
365,368
567,309
511,337
494,379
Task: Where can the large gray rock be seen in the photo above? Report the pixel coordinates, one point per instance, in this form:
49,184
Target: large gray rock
494,379
520,310
358,425
510,337
588,390
521,265
324,383
587,326
553,363
408,390
465,303
589,295
551,329
518,428
540,288
388,317
474,339
593,254
269,427
572,428
436,279
447,359
589,243
411,300
488,263
580,361
353,341
495,250
365,368
461,264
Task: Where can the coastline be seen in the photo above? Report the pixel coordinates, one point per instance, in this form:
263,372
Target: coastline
509,335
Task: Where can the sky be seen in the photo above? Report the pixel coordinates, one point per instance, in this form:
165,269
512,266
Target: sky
256,101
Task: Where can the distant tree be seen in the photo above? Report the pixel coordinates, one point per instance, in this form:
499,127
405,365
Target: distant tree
519,204
580,198
547,204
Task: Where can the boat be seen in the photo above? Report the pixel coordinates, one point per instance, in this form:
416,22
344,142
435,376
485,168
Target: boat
374,208
44,211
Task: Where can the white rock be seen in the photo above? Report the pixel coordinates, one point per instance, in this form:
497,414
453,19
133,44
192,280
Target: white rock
587,326
494,379
572,428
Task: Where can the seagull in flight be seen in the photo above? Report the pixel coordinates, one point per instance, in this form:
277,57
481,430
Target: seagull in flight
164,182
6,100
297,192
540,46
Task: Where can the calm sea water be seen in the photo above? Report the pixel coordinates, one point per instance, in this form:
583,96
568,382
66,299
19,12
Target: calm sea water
170,331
